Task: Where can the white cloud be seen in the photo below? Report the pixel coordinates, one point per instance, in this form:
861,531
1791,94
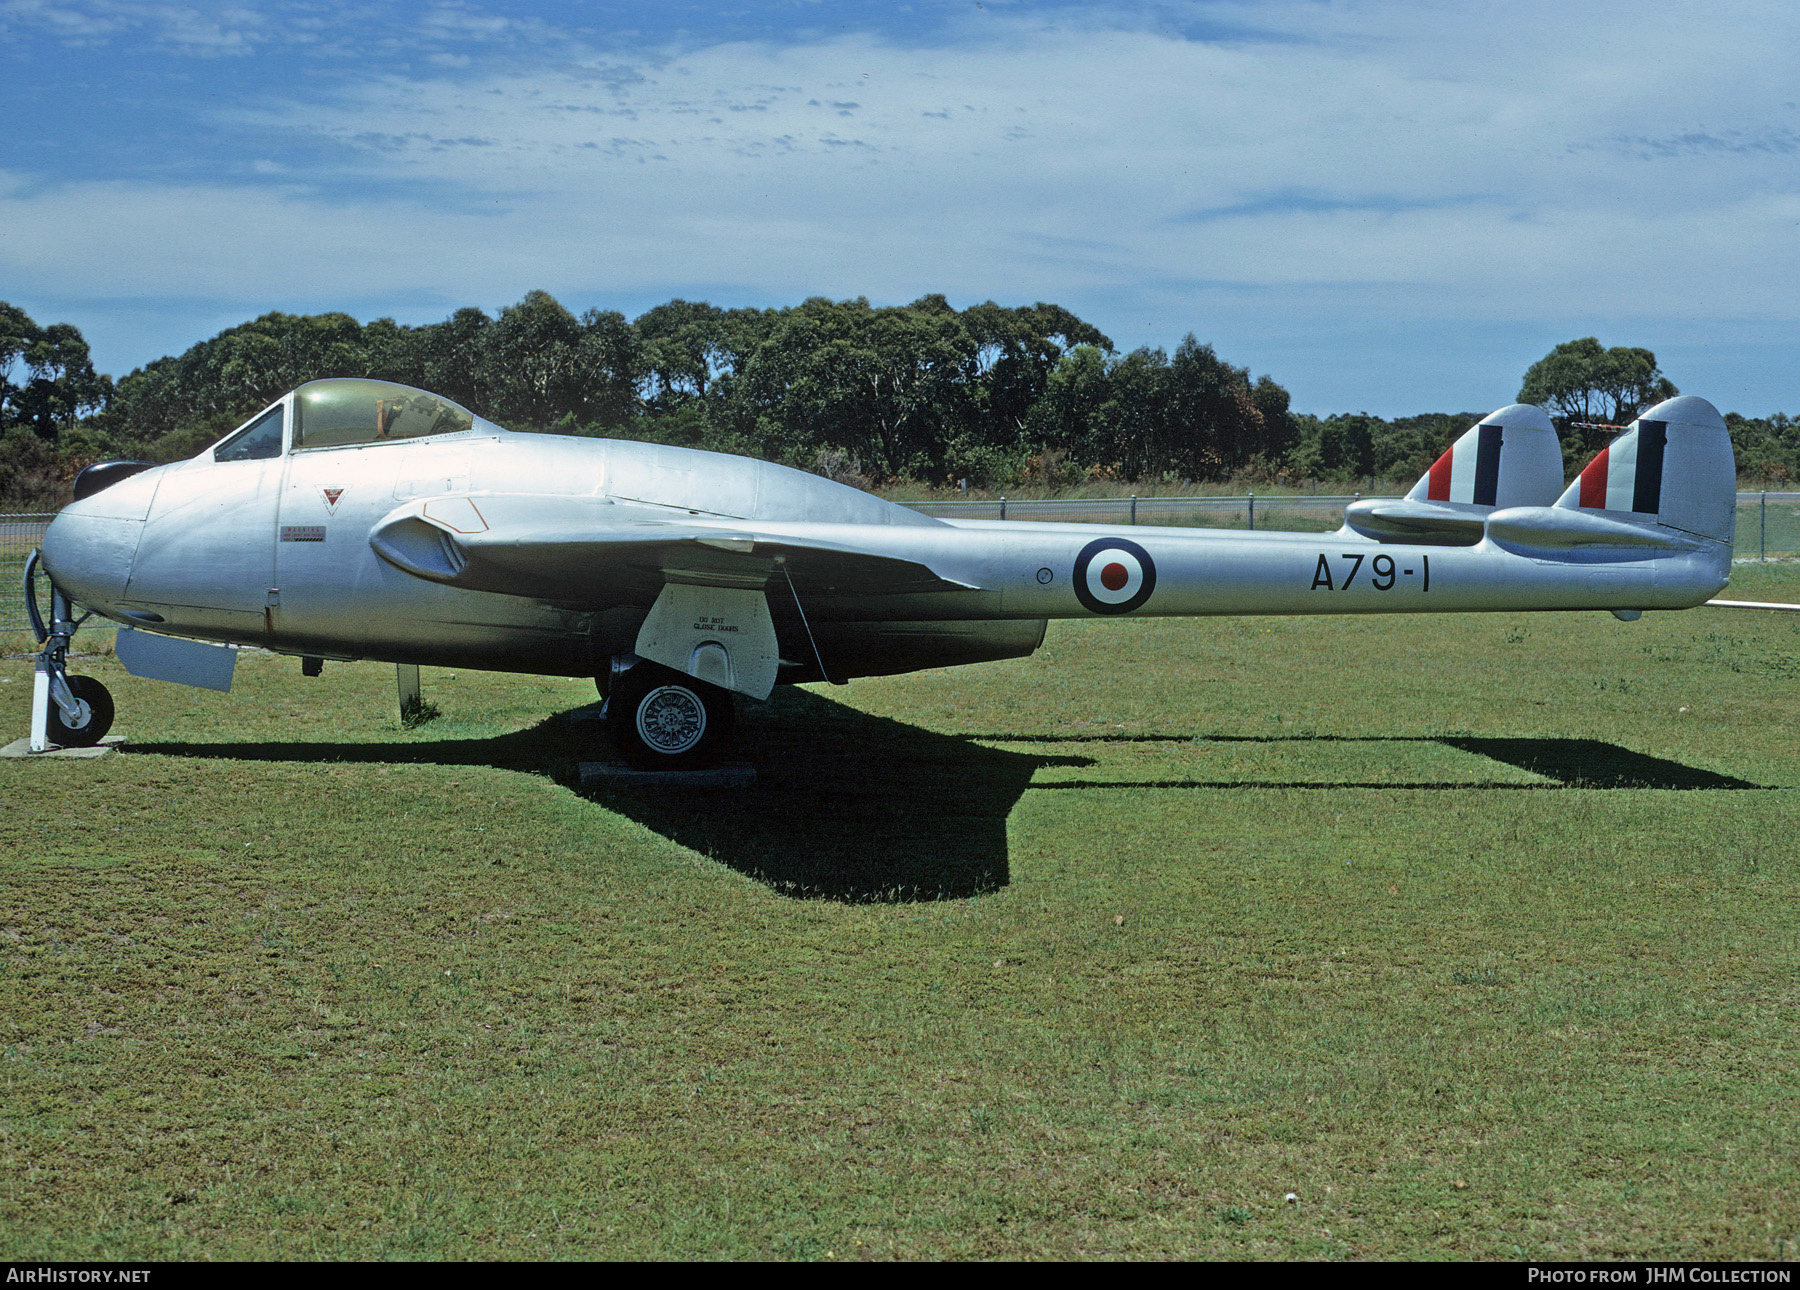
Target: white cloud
1524,164
69,23
179,28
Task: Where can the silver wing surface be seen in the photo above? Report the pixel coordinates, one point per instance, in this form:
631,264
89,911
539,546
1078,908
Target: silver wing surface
588,552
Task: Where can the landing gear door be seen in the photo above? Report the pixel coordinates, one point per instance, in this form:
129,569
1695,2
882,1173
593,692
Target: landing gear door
721,635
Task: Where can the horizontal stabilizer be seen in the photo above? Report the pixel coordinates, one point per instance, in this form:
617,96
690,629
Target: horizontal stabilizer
1400,519
555,549
1552,528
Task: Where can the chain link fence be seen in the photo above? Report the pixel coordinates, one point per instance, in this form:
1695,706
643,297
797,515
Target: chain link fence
1768,525
1293,514
19,535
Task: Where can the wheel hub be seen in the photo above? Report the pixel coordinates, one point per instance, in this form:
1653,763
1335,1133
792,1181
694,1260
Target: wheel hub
671,720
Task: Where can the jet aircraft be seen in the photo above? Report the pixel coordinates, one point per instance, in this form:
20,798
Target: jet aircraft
359,519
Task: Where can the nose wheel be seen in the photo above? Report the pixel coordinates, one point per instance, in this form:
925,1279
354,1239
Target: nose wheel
91,716
66,711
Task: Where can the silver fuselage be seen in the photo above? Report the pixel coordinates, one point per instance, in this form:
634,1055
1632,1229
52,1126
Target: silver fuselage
277,553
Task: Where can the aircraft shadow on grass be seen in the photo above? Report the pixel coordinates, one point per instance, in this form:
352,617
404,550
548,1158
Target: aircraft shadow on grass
846,806
1567,763
853,807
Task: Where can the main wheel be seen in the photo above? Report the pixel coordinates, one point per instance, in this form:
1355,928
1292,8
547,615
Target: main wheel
85,732
663,720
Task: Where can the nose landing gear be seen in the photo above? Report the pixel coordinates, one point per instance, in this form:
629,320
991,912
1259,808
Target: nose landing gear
66,711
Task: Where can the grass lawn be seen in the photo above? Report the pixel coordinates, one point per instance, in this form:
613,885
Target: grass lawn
1479,934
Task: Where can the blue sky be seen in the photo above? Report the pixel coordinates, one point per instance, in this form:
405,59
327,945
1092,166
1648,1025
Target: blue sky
1388,206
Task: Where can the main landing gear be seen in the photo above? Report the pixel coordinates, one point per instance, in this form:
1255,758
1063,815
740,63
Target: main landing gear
66,711
662,719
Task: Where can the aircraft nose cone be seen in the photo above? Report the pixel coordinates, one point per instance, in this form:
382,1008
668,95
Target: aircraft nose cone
90,546
89,555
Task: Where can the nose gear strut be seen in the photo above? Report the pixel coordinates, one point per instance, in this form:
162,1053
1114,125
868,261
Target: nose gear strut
66,711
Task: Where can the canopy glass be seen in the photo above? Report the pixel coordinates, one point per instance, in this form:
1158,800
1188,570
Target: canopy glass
258,441
344,411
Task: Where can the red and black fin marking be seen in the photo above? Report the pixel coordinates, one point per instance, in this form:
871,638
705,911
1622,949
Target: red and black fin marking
1628,474
1469,470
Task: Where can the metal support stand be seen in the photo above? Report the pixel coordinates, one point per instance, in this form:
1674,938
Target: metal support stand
40,706
1134,508
406,676
1253,512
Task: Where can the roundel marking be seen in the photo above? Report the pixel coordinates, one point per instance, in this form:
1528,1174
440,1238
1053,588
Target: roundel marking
1114,576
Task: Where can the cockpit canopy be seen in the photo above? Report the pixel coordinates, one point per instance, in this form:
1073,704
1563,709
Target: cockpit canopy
345,412
342,411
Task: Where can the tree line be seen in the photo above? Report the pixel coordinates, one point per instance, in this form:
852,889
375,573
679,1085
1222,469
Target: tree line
999,396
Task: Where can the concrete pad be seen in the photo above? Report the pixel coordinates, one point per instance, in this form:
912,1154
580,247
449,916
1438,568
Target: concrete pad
22,748
616,774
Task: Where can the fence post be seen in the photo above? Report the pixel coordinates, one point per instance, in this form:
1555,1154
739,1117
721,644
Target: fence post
1134,508
1253,511
1002,505
1762,541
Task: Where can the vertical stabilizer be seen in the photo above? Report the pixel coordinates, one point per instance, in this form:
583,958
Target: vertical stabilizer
1508,458
1673,467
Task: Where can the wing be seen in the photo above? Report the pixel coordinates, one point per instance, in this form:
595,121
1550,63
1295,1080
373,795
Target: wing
586,551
